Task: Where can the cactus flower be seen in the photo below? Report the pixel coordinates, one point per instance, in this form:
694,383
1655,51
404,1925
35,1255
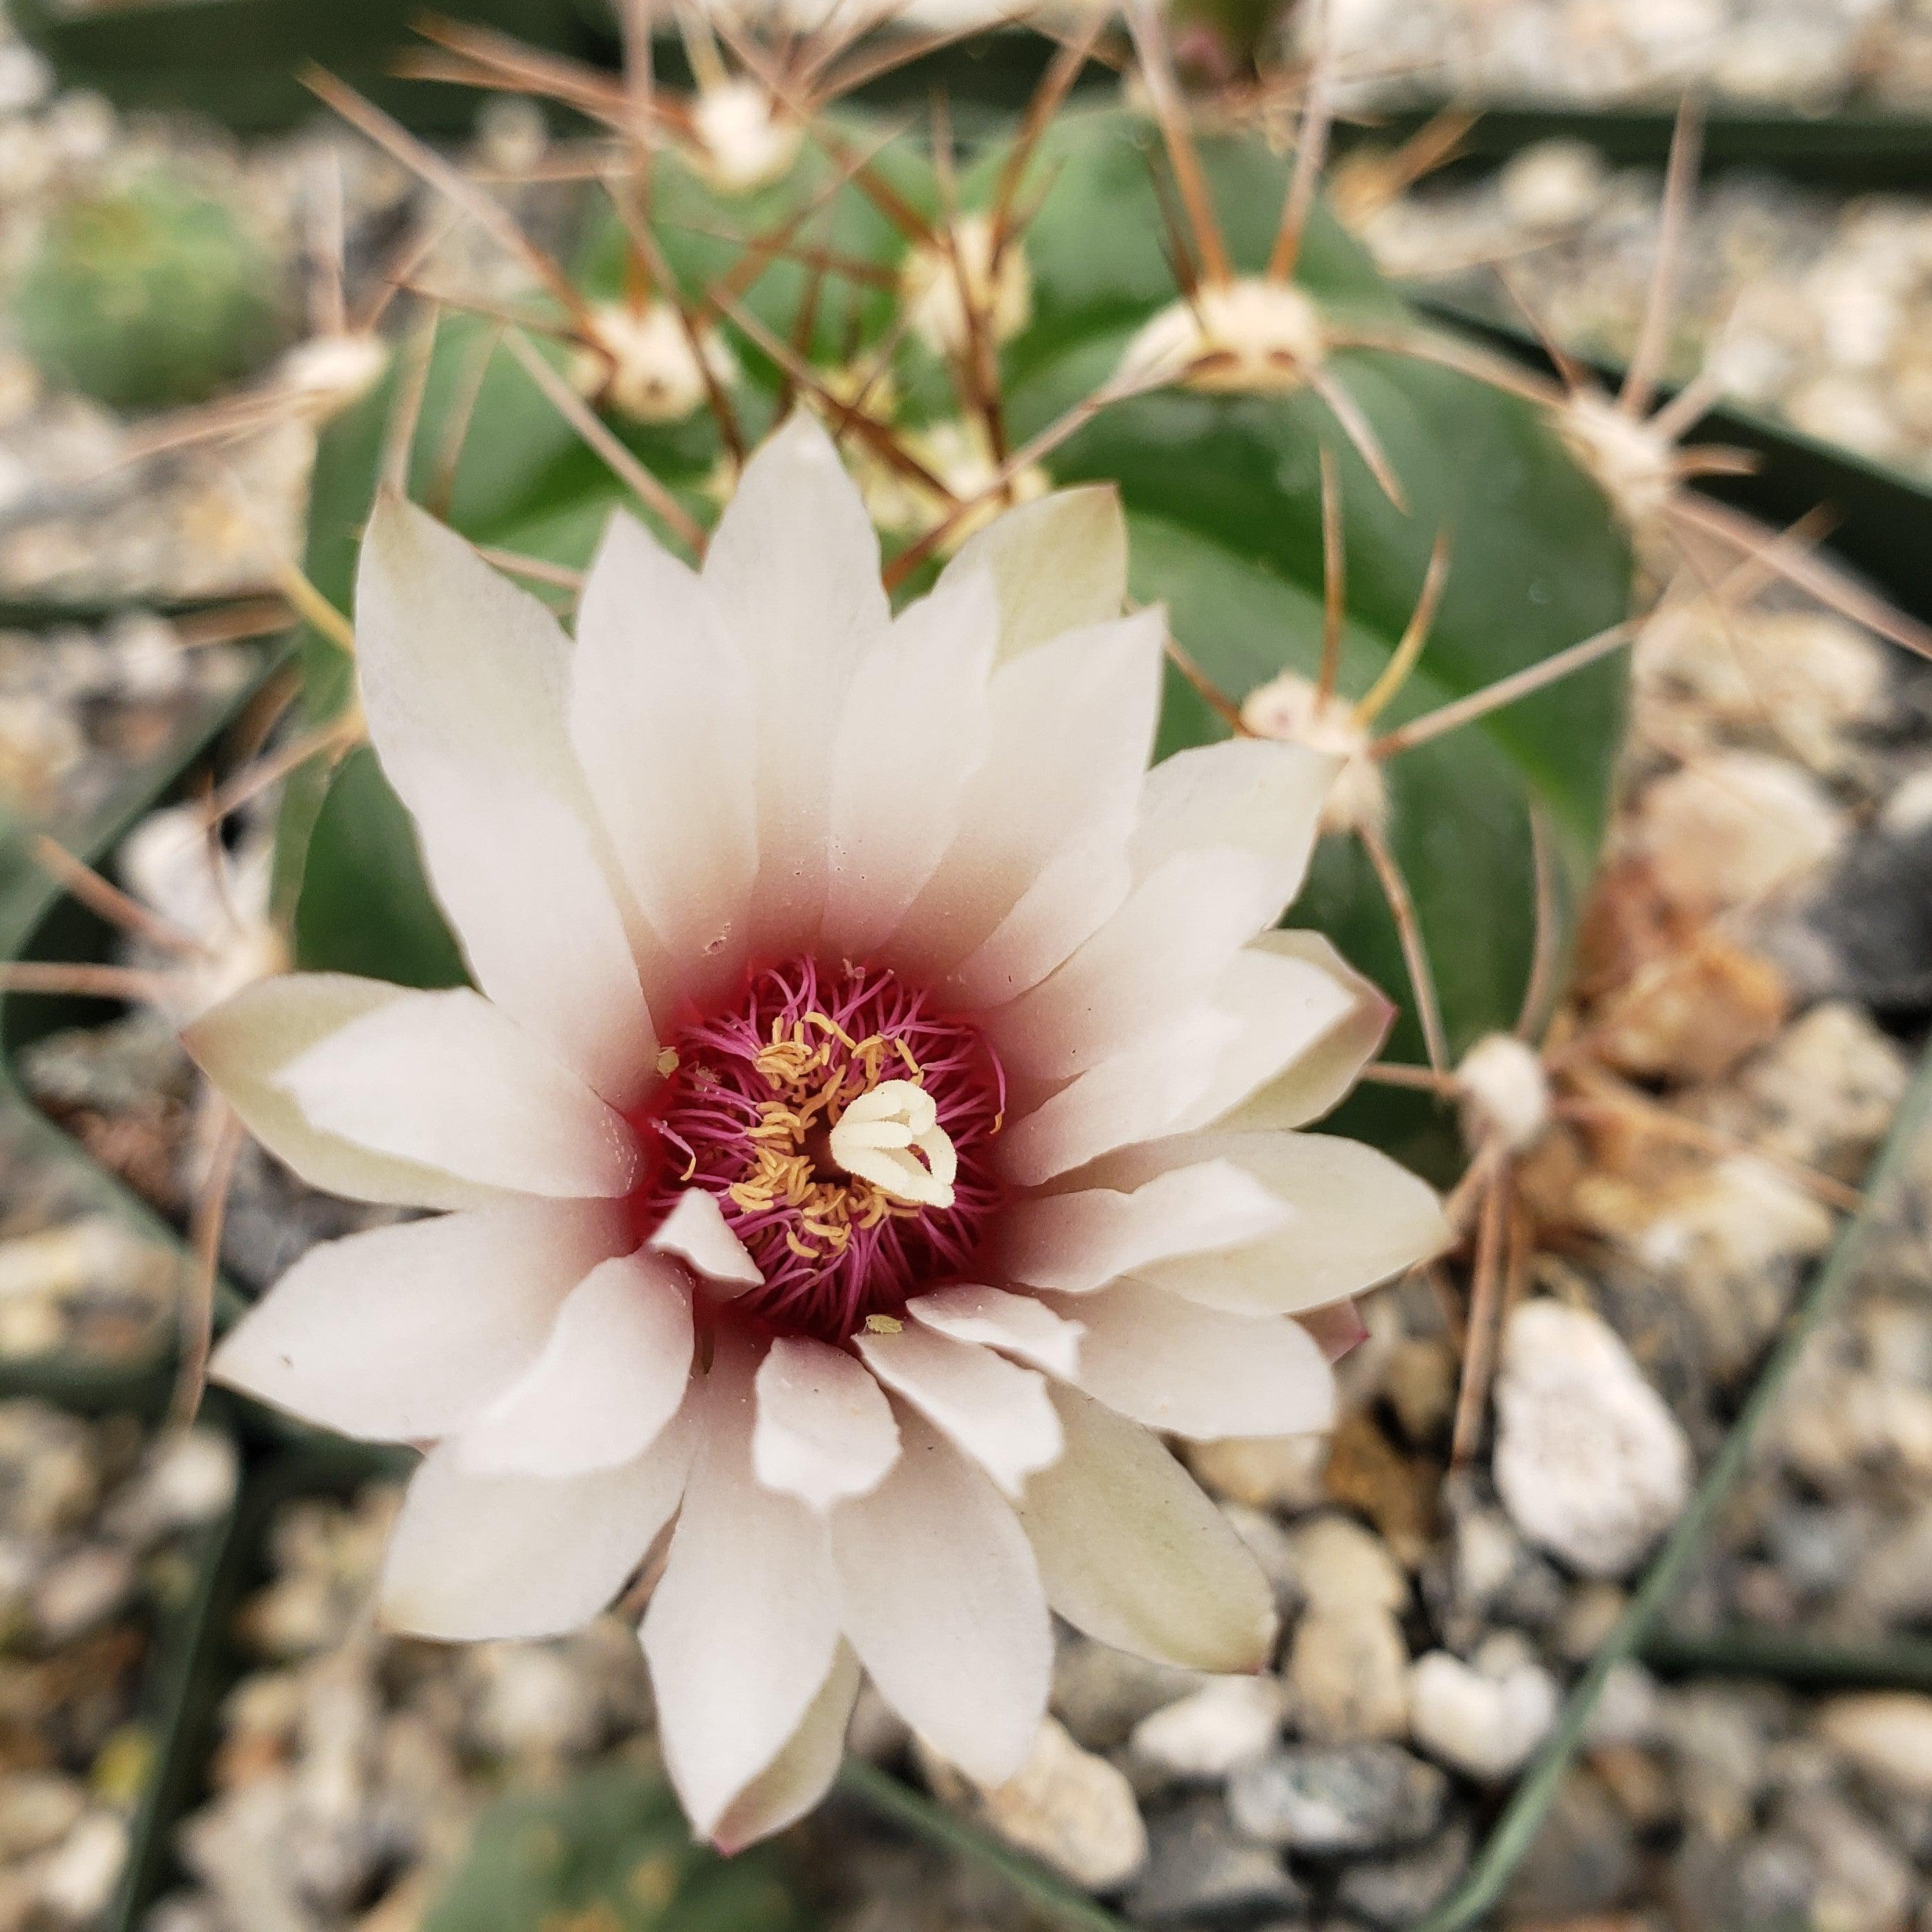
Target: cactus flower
875,1124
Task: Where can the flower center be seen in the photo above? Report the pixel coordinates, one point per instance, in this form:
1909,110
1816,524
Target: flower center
844,1128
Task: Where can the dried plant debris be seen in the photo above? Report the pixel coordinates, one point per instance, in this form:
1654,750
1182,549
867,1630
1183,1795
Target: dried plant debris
98,1545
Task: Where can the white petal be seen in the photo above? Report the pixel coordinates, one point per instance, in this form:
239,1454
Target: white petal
245,1045
475,1556
1132,1552
793,564
742,1629
1163,953
465,683
1058,563
611,1375
1356,1218
994,1317
801,1774
1187,1370
407,1333
1081,887
1254,793
1318,1079
1088,1237
825,1429
1073,723
1136,1095
916,727
664,716
793,570
1297,1004
998,1413
942,1601
696,1230
449,1080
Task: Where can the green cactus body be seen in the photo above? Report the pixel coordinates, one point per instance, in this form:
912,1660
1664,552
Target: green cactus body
607,1852
1223,491
147,296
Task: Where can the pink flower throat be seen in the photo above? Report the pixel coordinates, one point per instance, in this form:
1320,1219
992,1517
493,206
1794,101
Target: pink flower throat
746,1110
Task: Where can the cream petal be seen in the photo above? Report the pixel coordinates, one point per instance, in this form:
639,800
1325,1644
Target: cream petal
612,1374
1087,1236
1298,1007
475,1556
696,1231
825,1430
1335,1328
1163,953
1132,1553
246,1044
664,716
995,1318
998,1413
1081,887
1188,1370
1136,1095
448,1080
465,685
1073,723
1058,563
742,1629
941,1599
406,1333
1317,1080
1256,794
801,1774
916,726
793,570
1356,1218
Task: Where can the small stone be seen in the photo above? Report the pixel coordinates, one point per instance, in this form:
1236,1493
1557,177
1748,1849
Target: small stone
1230,1721
189,1479
1101,1693
1199,1868
1584,1860
1588,1462
1067,1806
1421,1388
1397,1893
1344,1566
1330,1800
1826,1091
77,1880
1485,1719
1277,1472
1887,1735
38,1808
82,1591
1347,1676
1735,829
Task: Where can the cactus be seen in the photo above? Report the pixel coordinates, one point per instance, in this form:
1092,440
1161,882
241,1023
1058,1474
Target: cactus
148,294
606,1852
1282,423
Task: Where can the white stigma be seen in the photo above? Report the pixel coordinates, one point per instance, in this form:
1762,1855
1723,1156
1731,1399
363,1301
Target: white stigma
881,1136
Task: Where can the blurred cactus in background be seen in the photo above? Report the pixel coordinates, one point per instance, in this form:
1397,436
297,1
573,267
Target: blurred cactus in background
148,294
607,1852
